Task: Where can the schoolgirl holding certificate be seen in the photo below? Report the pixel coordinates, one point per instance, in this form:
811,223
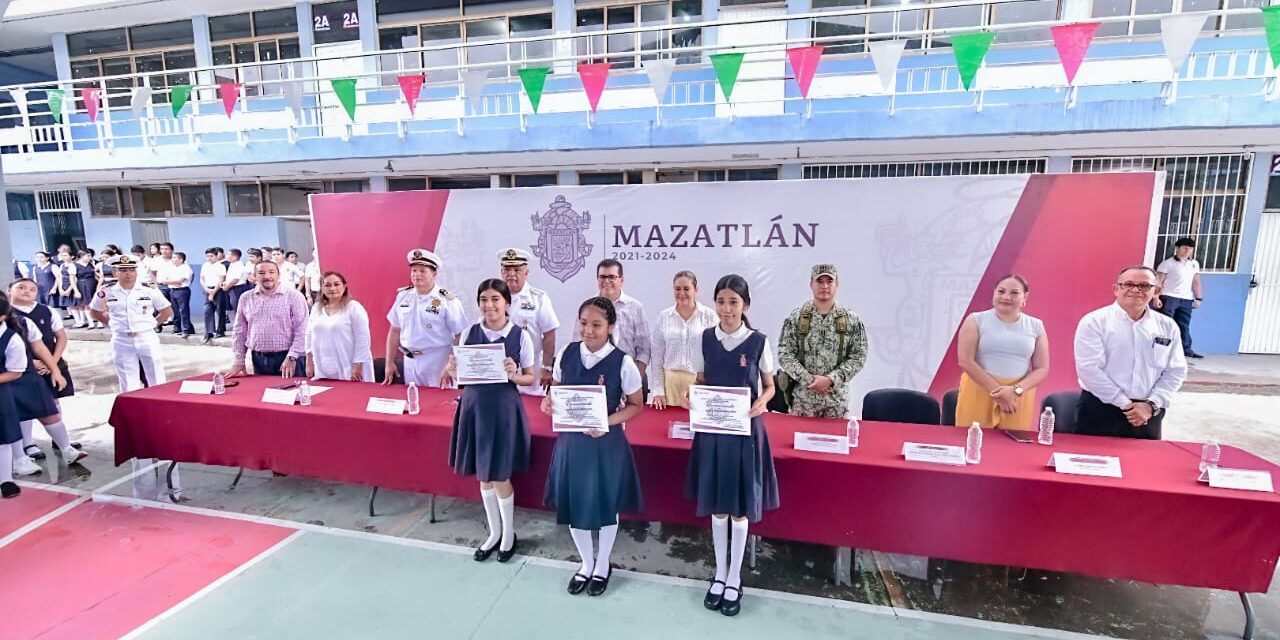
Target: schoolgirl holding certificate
593,474
732,476
490,437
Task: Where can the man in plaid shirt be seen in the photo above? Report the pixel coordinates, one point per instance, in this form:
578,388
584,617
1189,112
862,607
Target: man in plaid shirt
271,325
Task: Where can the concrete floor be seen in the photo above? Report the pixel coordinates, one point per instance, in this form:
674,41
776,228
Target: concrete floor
1212,405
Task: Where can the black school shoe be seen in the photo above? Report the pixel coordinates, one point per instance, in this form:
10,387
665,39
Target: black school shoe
577,583
731,607
598,584
504,556
9,489
712,600
483,554
35,453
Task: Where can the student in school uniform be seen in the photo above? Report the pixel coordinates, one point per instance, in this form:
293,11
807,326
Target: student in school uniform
22,296
42,273
84,286
14,364
593,475
33,396
490,437
64,297
732,476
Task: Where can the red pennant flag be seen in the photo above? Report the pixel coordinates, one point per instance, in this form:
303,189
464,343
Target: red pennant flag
804,63
411,87
230,93
1072,41
91,99
594,76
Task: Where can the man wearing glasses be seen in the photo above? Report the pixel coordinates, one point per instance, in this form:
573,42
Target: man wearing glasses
1129,360
631,334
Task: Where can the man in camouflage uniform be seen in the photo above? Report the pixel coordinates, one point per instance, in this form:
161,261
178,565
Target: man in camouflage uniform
823,346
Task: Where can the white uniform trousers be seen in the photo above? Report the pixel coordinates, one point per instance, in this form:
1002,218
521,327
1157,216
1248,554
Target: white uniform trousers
142,349
424,370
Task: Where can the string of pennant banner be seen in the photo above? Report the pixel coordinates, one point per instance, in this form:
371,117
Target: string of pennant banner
1178,33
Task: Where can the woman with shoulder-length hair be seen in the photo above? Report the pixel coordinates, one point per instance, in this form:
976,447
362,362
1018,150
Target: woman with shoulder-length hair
337,340
1004,354
676,336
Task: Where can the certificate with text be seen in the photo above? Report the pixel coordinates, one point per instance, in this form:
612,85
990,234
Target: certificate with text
579,409
481,363
720,410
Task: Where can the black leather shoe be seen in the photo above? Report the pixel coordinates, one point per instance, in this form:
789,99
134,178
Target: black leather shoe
207,340
1192,354
504,556
9,489
577,583
712,600
598,584
731,607
34,452
483,554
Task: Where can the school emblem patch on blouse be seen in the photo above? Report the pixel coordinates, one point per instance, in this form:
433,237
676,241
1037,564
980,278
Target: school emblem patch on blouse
742,362
561,246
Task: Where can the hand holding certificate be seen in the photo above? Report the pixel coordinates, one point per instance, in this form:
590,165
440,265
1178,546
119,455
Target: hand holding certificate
481,363
721,410
579,409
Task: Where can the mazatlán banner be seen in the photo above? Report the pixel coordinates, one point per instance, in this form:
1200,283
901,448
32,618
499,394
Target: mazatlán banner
915,255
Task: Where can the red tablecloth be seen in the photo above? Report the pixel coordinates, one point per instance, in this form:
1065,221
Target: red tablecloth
1157,524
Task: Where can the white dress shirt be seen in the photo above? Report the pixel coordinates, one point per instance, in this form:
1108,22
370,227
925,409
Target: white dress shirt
339,340
1120,360
132,311
236,273
212,274
531,309
170,271
630,372
675,340
1178,275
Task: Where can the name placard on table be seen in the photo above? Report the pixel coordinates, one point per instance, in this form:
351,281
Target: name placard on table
933,453
280,396
822,443
680,431
389,406
199,387
1084,465
1243,479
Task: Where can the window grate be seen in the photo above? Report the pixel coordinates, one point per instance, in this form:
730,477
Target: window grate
1203,199
930,168
64,200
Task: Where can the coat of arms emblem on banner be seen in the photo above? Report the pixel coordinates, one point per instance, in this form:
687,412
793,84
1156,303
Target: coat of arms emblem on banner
562,247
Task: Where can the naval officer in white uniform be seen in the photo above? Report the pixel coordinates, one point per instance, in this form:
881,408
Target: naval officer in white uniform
132,312
531,310
426,321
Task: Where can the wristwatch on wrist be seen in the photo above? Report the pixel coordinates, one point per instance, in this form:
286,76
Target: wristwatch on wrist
1018,391
1155,410
547,367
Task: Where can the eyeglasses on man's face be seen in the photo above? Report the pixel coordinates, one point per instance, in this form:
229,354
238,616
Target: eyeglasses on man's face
608,277
1136,286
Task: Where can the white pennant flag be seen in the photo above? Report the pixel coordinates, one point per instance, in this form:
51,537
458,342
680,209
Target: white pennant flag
659,72
473,82
138,102
20,99
1178,32
293,95
886,54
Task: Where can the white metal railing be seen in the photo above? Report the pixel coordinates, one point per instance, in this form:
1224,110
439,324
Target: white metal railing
264,116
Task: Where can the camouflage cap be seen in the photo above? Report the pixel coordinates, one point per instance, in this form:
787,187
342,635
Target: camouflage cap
824,269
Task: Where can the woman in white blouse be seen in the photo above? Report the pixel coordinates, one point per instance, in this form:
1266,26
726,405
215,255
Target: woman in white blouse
338,334
677,336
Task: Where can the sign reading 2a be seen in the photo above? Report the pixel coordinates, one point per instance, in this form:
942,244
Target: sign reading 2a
326,17
350,20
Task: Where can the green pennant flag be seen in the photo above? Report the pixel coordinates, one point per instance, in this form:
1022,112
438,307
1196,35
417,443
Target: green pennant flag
1271,20
345,88
534,79
727,66
970,49
54,96
178,95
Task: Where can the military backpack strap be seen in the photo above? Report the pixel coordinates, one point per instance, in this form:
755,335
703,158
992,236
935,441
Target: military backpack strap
842,329
802,328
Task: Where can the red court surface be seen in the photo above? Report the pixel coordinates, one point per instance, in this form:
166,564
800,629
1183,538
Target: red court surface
101,570
16,513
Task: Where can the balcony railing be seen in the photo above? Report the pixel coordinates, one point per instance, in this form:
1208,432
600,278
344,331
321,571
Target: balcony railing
845,83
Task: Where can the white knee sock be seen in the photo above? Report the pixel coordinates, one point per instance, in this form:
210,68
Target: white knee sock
607,536
507,510
739,547
58,432
490,499
6,468
27,427
582,540
720,546
18,453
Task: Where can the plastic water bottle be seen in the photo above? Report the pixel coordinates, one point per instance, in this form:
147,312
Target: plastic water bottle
411,400
1210,453
304,394
219,383
973,444
1046,426
855,428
